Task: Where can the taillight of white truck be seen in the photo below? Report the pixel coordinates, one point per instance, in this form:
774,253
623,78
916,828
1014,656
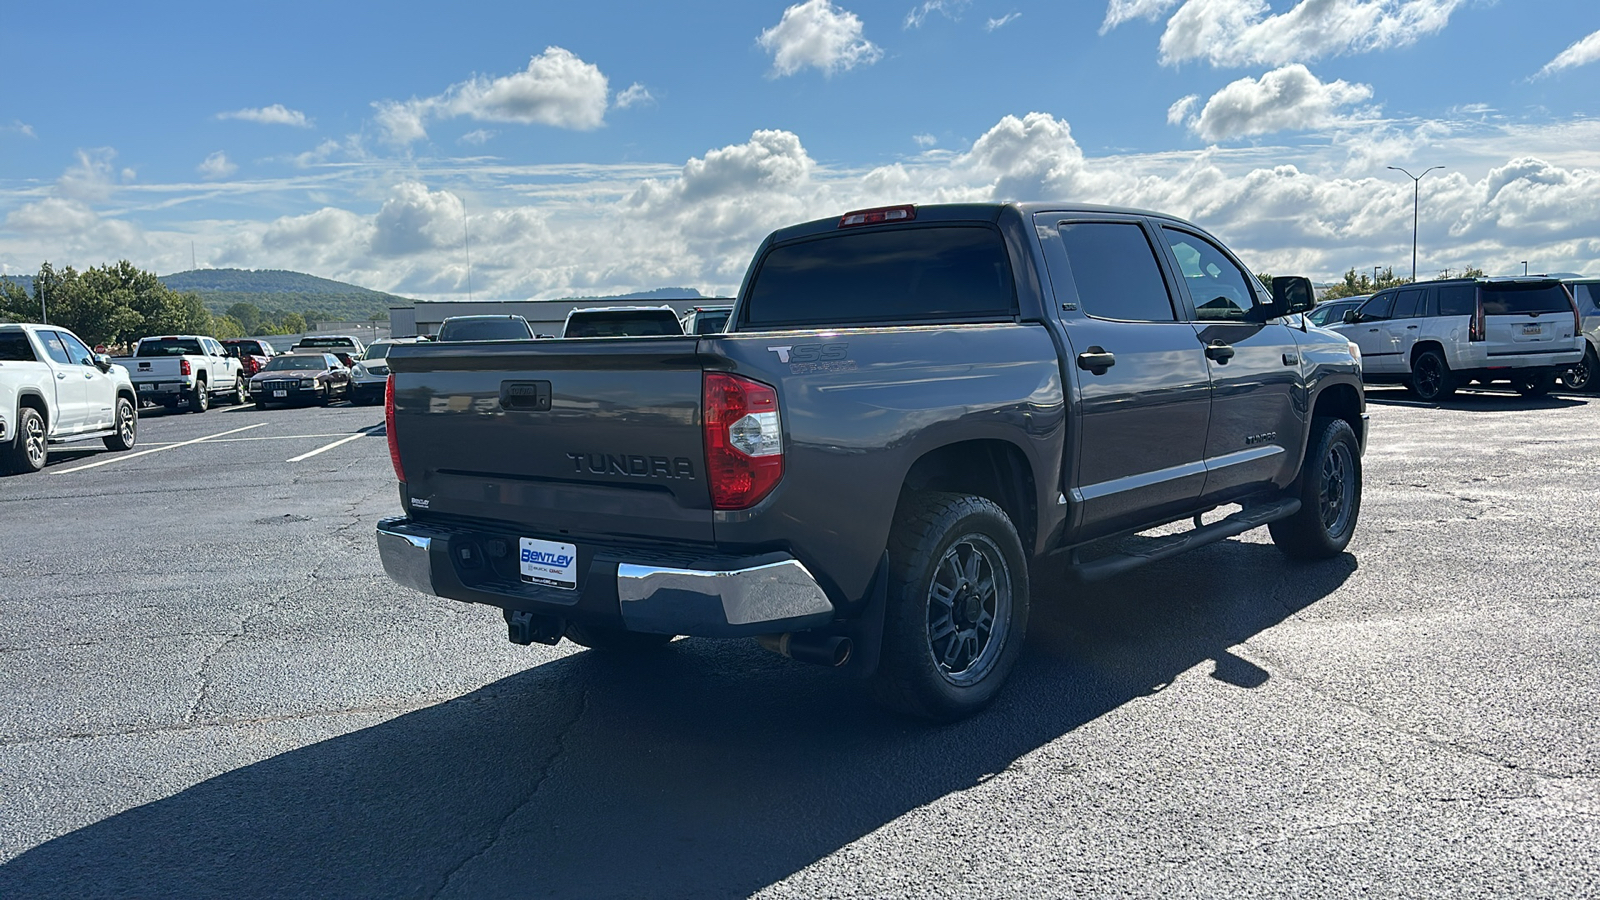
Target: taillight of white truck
744,440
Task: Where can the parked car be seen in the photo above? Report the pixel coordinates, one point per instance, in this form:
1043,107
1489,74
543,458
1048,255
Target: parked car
910,409
1585,376
344,346
1435,336
300,378
705,319
484,328
54,390
622,321
370,374
1331,312
187,369
251,353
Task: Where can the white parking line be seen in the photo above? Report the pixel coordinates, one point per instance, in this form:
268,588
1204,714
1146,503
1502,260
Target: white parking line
326,447
110,460
281,437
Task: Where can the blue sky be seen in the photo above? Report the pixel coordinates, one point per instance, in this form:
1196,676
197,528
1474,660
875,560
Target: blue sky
603,147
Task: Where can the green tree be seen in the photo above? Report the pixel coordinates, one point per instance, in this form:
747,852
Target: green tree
291,323
110,303
248,315
1354,285
226,327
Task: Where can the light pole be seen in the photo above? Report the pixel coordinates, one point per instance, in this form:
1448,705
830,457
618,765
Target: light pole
1524,267
1416,199
1374,277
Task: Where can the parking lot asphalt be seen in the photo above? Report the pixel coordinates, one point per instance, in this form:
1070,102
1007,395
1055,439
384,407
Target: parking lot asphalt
210,689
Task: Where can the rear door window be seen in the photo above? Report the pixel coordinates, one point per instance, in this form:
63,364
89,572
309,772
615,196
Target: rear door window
1115,272
1523,299
1458,300
1408,304
14,347
928,274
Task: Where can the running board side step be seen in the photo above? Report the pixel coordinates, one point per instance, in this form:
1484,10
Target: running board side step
1238,523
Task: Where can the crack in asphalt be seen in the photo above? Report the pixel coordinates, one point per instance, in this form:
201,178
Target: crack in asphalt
538,783
233,637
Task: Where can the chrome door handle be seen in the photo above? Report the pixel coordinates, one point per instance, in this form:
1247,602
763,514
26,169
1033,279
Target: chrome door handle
1411,328
1096,360
1219,352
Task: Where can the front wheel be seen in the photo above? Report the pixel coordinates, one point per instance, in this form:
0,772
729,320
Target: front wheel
1431,378
615,640
1581,377
127,425
1534,382
1330,495
957,607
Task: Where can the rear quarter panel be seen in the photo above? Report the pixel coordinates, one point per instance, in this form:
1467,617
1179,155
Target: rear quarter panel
861,406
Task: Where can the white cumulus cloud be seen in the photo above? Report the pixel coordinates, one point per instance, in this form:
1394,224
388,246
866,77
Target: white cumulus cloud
1119,11
557,89
217,165
820,35
276,114
1003,21
1232,33
1581,53
635,95
1286,99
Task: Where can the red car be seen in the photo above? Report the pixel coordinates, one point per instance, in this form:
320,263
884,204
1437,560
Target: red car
251,353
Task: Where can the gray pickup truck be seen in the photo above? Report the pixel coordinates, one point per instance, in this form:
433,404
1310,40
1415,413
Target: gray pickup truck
909,408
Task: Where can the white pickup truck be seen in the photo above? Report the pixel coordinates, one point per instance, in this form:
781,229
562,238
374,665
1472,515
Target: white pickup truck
188,369
53,390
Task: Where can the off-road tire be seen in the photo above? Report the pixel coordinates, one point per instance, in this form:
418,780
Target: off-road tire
29,447
1329,488
127,425
1534,382
951,545
615,640
1431,379
1584,376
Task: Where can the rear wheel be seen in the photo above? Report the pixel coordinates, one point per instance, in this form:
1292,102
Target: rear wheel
1534,382
27,450
200,397
1582,377
237,395
1431,378
127,425
1330,495
957,608
615,640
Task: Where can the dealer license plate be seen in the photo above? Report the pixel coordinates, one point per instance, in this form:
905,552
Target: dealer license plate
550,563
280,393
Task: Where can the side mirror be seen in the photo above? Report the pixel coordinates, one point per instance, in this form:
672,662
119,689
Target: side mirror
1292,294
102,362
1352,316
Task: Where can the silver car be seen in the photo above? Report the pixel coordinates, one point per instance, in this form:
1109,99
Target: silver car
371,371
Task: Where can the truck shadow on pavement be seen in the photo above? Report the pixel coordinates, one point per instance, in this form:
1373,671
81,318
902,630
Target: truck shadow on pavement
710,768
1486,400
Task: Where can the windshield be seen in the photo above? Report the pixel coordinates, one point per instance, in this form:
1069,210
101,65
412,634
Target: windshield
496,329
710,321
1523,299
377,351
903,274
170,347
1329,312
296,363
633,323
328,342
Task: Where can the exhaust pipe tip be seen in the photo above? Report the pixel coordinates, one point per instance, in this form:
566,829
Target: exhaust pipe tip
830,650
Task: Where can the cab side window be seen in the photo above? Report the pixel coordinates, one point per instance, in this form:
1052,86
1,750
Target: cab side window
54,347
1458,300
1115,272
76,350
1220,290
1377,308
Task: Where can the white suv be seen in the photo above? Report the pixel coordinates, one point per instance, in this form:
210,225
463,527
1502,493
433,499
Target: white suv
1435,336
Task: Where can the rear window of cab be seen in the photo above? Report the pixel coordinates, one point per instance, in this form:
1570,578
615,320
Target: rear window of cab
916,274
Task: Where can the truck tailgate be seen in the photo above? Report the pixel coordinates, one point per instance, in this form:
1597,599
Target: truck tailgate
598,438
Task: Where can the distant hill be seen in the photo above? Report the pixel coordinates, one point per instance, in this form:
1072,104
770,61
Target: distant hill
275,291
671,293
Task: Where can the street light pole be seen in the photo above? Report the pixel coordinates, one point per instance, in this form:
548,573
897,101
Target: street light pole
1524,267
1374,277
1416,200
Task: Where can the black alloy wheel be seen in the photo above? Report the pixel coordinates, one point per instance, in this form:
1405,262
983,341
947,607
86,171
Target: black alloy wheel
1431,378
1581,377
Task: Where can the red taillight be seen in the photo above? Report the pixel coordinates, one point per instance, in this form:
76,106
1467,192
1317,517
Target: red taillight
183,367
1577,318
1478,329
744,440
388,429
877,216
